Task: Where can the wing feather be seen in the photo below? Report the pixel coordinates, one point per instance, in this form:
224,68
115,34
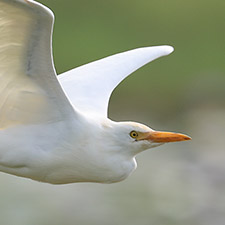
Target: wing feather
29,90
89,87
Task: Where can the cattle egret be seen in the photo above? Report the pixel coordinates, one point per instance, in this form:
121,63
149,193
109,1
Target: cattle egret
55,129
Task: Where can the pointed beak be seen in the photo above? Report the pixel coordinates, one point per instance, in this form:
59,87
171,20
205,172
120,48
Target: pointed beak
165,137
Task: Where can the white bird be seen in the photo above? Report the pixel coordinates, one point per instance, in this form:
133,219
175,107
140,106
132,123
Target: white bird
55,129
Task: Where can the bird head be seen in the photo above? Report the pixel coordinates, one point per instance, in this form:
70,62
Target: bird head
132,138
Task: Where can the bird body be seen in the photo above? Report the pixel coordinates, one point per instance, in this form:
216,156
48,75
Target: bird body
66,156
55,129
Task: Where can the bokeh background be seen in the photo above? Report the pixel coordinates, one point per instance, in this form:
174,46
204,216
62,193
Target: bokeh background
180,183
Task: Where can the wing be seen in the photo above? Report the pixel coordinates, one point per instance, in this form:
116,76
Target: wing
89,87
29,90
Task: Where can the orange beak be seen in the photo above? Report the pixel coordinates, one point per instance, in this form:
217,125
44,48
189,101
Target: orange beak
164,137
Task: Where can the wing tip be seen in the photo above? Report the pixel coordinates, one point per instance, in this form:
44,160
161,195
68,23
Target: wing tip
154,52
34,3
163,50
168,49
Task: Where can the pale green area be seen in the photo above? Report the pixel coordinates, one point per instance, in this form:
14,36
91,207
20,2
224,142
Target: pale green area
176,184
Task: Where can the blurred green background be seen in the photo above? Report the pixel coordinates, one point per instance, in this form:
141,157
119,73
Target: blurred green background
181,183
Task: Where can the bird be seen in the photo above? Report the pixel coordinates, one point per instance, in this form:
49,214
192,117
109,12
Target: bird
55,128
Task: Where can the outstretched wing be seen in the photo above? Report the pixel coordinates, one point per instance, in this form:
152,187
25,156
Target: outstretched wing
89,87
29,90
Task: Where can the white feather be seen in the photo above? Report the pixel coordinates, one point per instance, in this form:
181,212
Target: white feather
29,90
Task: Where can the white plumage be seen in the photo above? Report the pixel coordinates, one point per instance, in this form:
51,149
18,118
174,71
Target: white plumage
55,129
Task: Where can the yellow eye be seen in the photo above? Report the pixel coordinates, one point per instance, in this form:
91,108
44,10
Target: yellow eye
134,134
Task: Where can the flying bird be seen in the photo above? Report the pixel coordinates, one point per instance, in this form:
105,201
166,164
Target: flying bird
53,128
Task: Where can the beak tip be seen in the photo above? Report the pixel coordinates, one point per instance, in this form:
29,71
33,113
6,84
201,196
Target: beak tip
187,138
183,137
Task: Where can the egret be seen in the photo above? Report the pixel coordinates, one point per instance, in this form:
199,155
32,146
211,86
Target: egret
55,129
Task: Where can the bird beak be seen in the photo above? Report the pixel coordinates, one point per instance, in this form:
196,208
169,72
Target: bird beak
164,137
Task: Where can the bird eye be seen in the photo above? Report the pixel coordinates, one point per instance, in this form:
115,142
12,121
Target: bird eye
133,134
